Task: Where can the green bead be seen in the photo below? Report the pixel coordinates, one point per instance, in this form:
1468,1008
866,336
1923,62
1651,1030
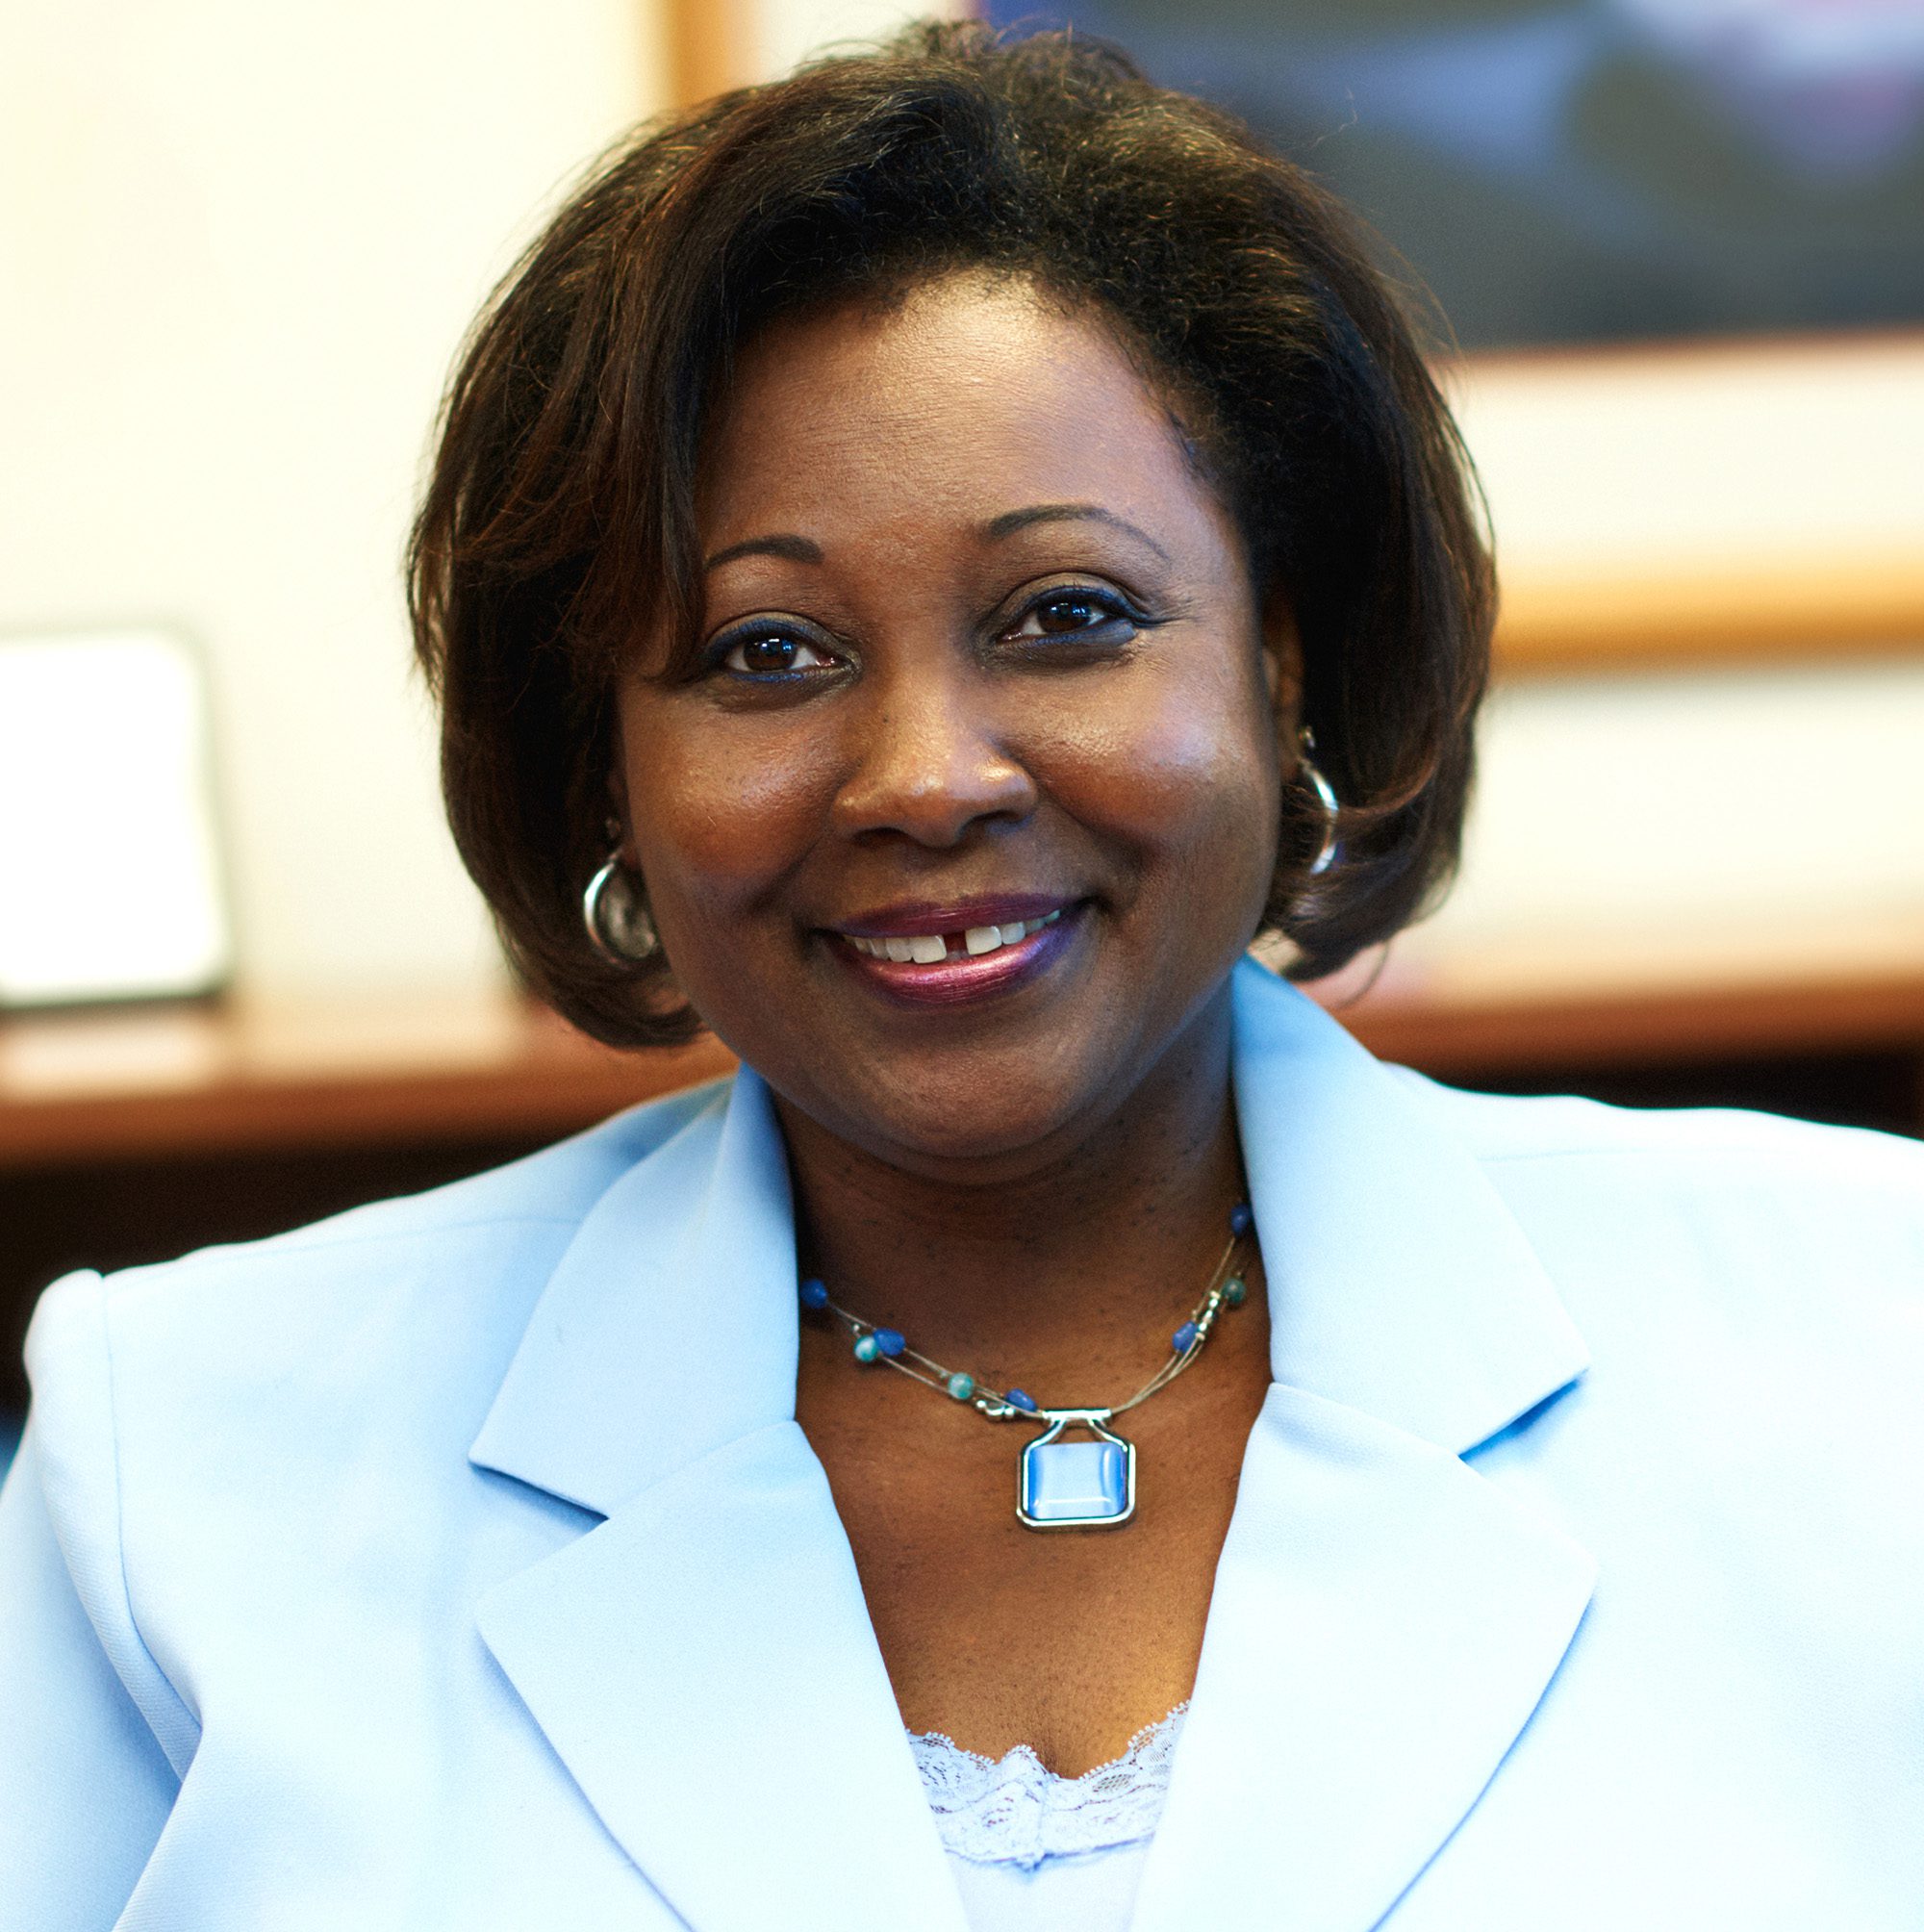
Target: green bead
1235,1289
962,1386
867,1348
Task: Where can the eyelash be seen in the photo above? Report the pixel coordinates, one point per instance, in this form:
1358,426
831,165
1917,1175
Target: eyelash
1113,607
725,648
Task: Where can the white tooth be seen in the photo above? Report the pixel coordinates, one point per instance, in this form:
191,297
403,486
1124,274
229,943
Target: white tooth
867,946
1012,931
982,938
898,949
1053,917
927,947
1033,926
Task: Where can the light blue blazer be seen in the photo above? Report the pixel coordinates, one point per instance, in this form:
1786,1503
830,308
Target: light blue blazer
458,1564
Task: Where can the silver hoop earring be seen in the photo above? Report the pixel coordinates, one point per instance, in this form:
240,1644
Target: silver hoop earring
617,917
1325,796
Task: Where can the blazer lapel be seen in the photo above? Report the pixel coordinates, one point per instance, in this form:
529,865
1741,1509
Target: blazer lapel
702,1661
1385,1620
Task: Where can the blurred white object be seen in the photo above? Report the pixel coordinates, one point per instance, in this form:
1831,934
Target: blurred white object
1735,827
109,874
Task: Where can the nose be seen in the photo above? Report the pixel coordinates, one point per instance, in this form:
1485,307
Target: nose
929,764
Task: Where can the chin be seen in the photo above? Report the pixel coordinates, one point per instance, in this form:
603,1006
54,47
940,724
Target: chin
1001,1112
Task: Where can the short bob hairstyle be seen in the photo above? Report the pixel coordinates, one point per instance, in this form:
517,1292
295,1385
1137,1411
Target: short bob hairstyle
558,529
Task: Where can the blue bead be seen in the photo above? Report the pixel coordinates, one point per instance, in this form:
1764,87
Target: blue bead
1020,1398
867,1348
1183,1338
890,1341
962,1386
1241,1220
814,1294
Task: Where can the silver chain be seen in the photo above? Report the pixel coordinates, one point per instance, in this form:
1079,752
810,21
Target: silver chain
995,1404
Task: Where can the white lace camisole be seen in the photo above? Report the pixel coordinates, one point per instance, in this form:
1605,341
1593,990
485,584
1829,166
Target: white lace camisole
1031,1850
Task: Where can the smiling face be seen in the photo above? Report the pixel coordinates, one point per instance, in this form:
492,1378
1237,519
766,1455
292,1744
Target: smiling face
985,684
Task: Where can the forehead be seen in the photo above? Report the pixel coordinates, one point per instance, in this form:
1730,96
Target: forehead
958,401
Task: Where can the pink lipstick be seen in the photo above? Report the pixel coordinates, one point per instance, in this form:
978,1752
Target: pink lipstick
944,954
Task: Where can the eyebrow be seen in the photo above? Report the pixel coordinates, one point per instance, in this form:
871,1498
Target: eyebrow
1012,520
801,551
795,549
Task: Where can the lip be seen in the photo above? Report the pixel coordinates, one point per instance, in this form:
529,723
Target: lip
909,918
959,981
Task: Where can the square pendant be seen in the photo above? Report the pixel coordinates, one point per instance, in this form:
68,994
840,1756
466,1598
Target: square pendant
1089,1484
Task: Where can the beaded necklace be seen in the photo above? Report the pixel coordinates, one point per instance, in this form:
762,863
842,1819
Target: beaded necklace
1088,1482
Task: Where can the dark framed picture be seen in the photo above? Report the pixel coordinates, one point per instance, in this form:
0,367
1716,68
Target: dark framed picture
1586,172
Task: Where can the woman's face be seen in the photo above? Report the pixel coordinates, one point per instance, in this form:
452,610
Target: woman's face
981,652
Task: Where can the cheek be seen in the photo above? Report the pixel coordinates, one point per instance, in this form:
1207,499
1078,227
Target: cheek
720,815
1185,767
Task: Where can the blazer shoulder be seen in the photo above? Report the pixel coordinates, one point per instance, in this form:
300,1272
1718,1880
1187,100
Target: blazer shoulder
1505,1128
459,1265
556,1184
1730,1184
1788,1227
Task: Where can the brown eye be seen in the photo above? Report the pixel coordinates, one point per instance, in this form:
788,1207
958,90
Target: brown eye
1075,613
772,655
1070,612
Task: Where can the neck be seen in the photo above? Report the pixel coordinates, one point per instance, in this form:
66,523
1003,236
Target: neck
1056,1275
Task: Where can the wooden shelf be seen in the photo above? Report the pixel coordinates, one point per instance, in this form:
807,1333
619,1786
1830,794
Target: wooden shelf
166,1083
1633,620
220,1079
1463,1036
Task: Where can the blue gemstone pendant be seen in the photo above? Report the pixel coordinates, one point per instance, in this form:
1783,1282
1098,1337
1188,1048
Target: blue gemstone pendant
1086,1484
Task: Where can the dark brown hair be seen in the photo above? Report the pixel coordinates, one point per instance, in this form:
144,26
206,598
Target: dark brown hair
558,527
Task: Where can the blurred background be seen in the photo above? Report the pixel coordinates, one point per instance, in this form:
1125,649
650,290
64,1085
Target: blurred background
1678,247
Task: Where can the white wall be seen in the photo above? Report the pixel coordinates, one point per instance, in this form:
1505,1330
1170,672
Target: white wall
1710,460
240,245
1731,824
787,30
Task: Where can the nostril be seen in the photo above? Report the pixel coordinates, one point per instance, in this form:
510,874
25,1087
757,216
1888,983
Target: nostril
934,809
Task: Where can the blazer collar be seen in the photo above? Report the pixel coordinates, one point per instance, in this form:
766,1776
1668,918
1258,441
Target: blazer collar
1400,1284
1384,1618
669,1328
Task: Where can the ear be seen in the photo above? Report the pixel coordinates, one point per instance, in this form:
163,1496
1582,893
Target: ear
1283,665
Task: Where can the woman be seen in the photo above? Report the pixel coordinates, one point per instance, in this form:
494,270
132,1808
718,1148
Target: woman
927,561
